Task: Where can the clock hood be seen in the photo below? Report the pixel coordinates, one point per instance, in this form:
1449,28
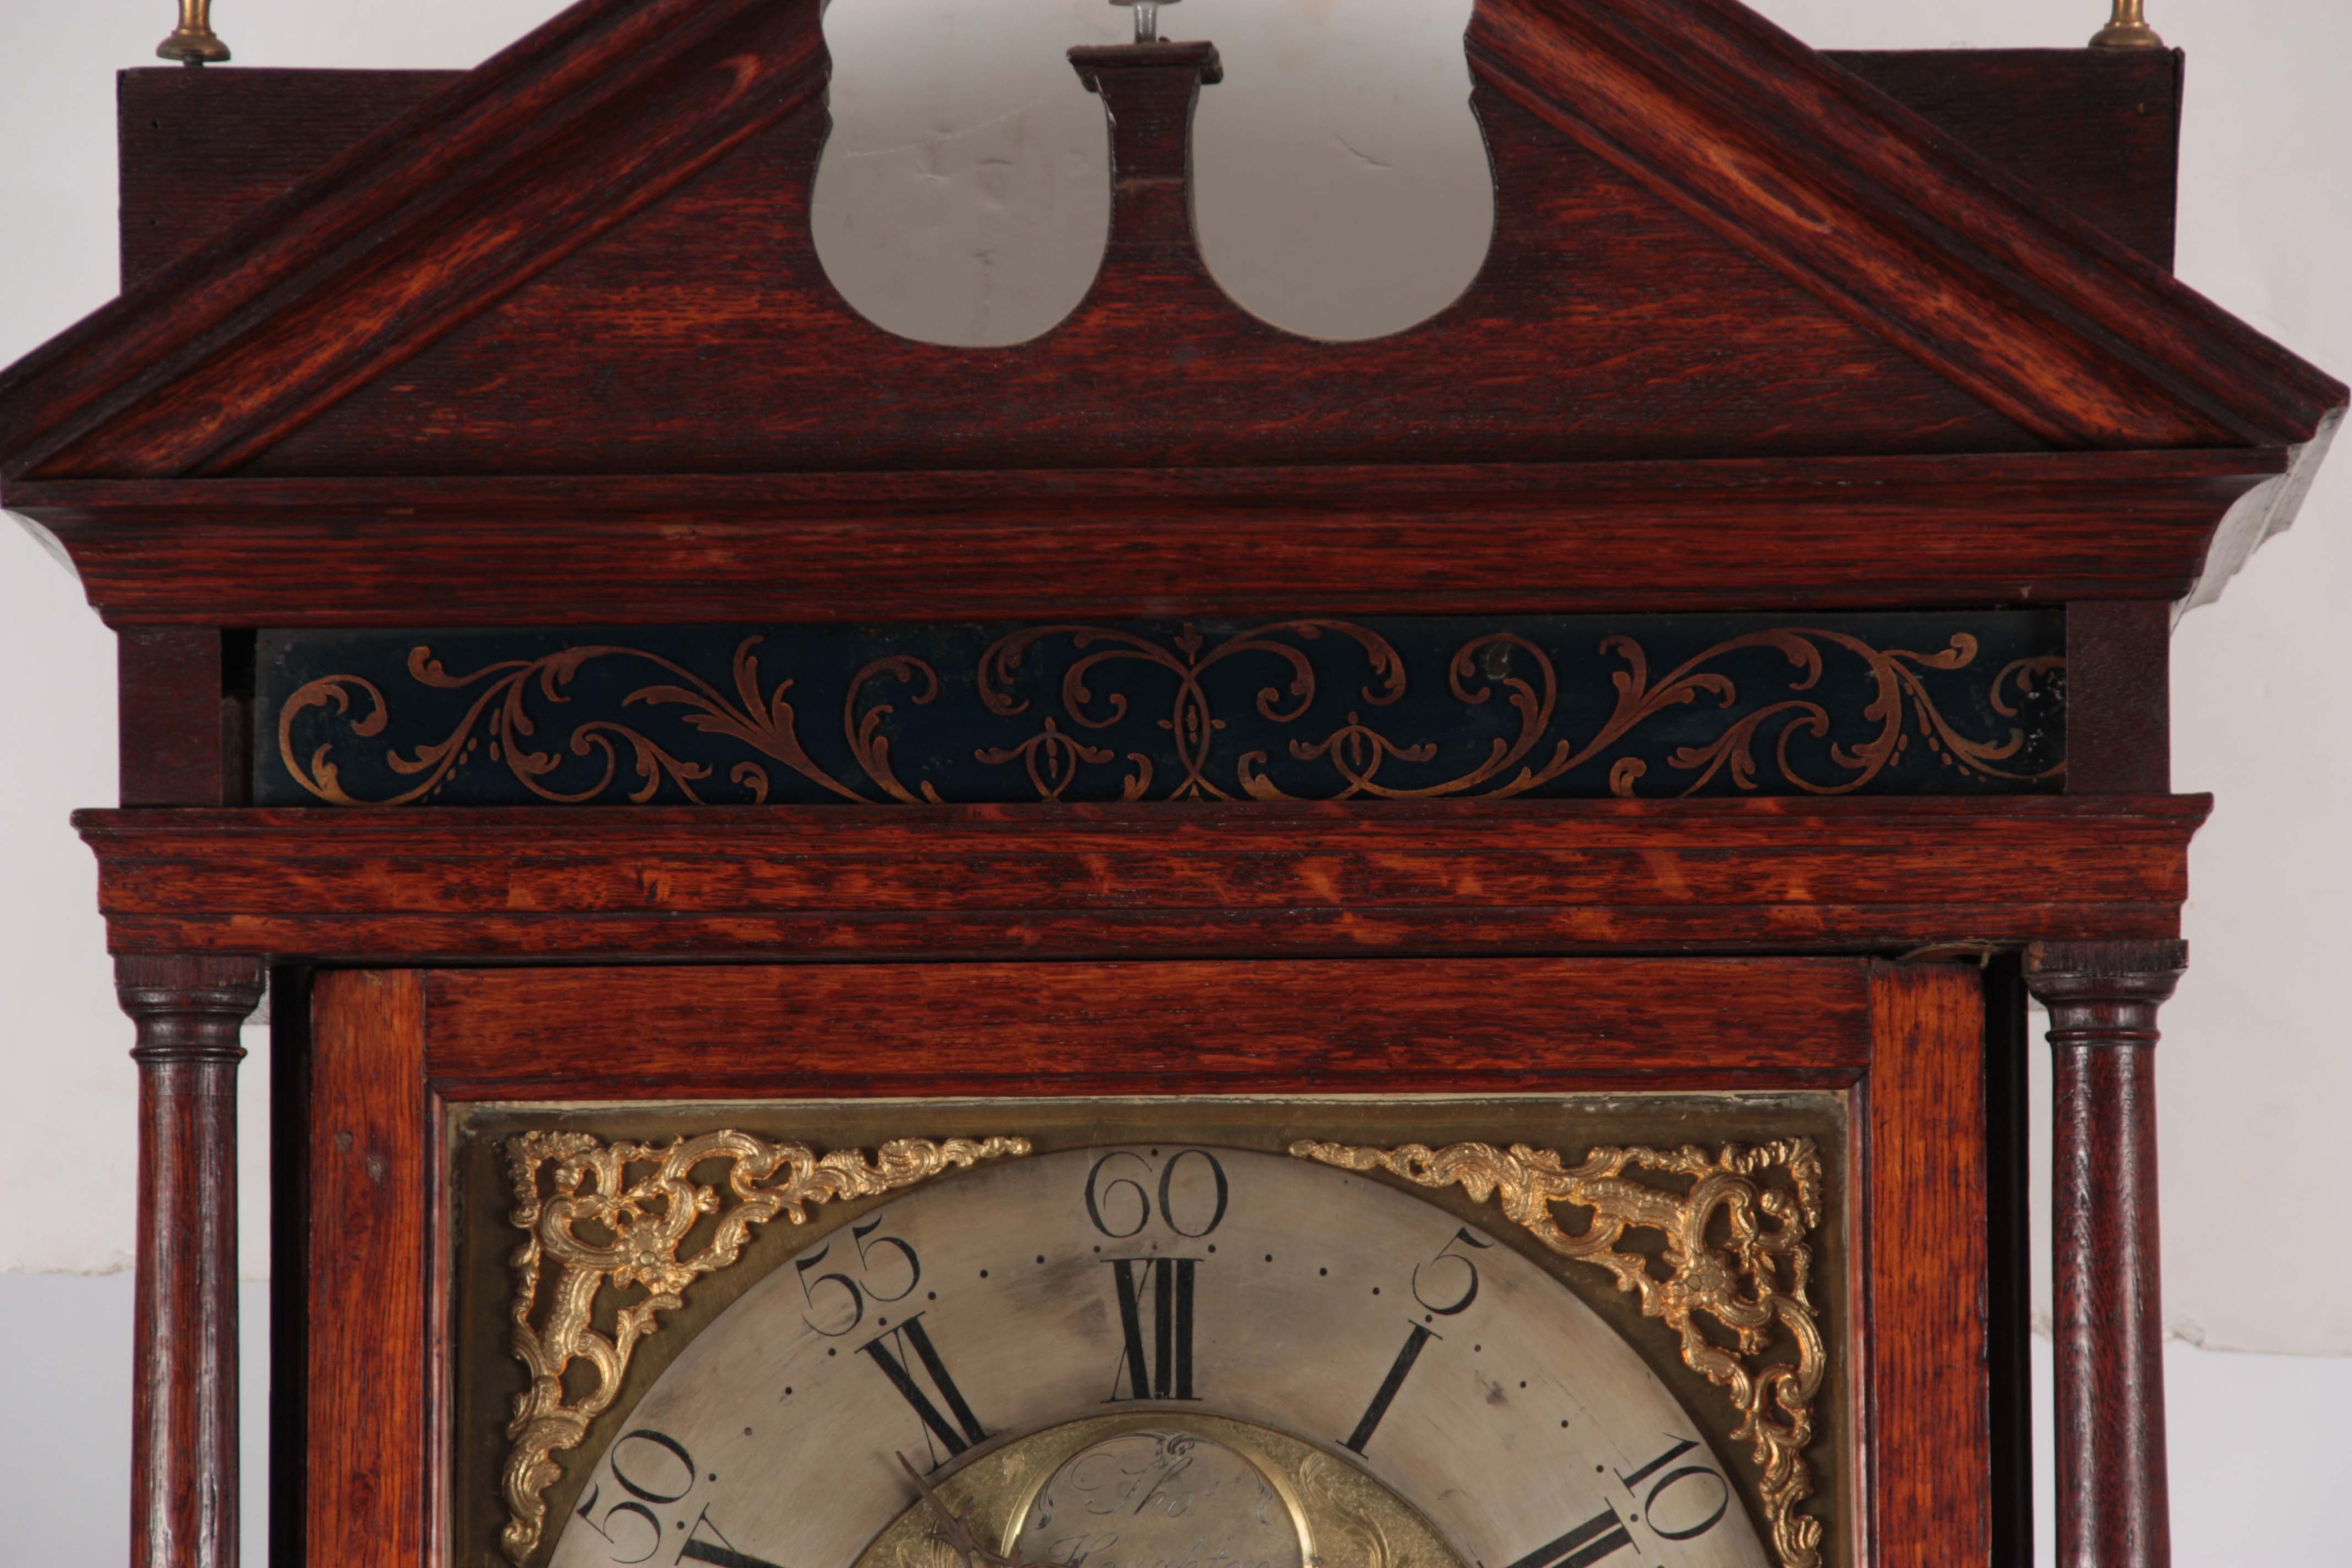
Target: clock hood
568,298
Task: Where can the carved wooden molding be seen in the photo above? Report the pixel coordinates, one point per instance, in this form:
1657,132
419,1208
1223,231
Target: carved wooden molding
207,367
1437,875
563,1178
1753,1286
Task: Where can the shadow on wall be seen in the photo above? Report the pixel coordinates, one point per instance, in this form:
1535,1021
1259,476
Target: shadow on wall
1340,180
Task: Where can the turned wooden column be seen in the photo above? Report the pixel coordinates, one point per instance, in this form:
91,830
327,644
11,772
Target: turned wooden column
2102,998
184,1482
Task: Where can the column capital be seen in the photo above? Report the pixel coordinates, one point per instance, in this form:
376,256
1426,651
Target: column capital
2104,993
188,1006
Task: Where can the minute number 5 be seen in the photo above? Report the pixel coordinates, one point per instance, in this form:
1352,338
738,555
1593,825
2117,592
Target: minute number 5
1468,1275
1417,1336
851,1295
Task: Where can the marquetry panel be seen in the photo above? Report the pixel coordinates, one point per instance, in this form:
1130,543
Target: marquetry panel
1307,709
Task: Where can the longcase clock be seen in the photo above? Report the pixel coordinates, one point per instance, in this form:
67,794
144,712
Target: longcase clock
1170,943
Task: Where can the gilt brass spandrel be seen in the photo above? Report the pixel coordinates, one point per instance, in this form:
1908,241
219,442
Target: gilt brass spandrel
487,1379
639,1205
1736,1255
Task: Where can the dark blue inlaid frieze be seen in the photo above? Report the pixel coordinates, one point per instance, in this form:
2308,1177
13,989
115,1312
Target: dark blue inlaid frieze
1958,703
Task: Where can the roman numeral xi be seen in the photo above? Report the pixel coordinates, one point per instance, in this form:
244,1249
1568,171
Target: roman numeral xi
890,1351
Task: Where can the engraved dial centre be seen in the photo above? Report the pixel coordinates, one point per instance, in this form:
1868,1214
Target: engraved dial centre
1140,1499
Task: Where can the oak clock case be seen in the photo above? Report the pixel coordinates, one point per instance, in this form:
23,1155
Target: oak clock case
1664,674
1123,1331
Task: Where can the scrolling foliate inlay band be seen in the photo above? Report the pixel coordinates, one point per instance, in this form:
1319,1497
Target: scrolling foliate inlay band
638,1222
1299,710
1750,1277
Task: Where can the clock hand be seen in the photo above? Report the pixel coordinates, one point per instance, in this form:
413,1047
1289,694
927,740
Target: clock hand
954,1533
722,1556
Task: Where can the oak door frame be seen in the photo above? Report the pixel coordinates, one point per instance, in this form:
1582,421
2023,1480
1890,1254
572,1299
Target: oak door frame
391,1049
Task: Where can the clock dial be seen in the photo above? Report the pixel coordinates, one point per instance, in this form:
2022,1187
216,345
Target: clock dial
1272,1335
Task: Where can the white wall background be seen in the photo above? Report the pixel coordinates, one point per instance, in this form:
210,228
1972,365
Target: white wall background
1342,193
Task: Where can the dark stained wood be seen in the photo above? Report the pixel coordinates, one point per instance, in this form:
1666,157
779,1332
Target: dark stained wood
369,1269
2119,697
1653,290
179,738
1605,324
1843,874
201,149
184,1393
2008,1258
1903,229
631,96
1925,1344
289,1272
2102,998
1884,533
2096,130
471,349
1909,1035
1130,1028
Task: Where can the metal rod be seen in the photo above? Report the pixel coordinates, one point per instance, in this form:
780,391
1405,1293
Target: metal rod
2128,28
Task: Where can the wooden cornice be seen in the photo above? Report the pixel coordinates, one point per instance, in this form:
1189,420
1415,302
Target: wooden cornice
1529,538
1846,875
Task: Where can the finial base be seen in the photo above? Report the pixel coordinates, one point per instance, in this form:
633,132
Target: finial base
2127,35
192,46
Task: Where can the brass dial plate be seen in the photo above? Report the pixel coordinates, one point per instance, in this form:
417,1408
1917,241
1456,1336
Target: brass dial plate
1360,1322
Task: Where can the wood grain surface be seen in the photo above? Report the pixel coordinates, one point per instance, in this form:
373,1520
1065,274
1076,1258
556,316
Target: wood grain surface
1852,875
1909,1035
1931,1477
1891,534
2107,1264
1604,325
179,735
369,1271
2096,130
1895,224
183,1391
540,251
1464,1025
1757,330
200,149
2119,697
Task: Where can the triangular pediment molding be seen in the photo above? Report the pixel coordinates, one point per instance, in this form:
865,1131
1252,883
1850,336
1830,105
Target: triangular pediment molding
2059,326
520,162
1976,314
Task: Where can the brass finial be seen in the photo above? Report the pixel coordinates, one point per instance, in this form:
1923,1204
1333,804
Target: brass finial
193,42
2128,28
